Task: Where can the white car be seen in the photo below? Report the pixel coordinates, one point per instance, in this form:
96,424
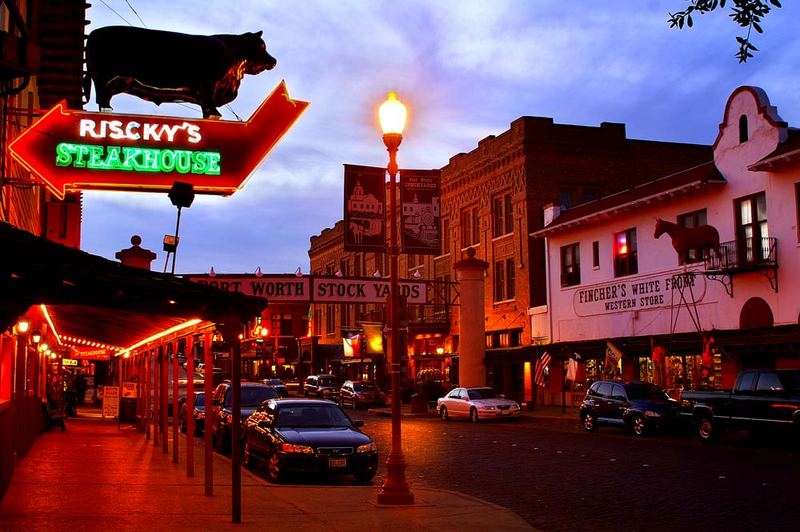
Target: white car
476,403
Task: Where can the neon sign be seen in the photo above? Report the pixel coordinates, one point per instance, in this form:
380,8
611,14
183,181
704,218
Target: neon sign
78,150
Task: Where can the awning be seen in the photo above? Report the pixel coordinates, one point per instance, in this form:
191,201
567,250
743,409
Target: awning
96,298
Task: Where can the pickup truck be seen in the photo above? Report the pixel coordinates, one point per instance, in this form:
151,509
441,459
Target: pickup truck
761,399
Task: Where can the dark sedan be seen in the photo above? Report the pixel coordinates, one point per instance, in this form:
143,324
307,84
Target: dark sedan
308,436
198,413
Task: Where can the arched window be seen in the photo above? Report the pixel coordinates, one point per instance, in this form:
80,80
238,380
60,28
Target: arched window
743,135
755,313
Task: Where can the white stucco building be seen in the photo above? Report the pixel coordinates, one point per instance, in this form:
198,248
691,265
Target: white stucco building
611,280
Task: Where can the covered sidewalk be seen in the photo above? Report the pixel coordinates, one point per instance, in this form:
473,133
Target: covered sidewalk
100,476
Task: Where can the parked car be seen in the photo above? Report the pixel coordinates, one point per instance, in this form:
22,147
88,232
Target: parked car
253,394
322,386
760,400
198,409
476,404
639,406
308,435
357,394
279,386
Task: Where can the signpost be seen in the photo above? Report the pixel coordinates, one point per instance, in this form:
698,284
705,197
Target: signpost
79,150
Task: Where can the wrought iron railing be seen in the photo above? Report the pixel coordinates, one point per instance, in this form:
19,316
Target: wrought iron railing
744,254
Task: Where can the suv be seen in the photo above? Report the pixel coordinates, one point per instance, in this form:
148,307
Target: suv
640,406
253,394
322,386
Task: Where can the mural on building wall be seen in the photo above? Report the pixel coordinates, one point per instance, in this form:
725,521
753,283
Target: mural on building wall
705,237
420,219
364,208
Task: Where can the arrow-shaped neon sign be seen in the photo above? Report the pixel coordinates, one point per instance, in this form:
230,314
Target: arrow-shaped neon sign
78,150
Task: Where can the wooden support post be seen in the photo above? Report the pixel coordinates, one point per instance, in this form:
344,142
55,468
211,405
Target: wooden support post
175,392
156,360
189,406
164,399
208,451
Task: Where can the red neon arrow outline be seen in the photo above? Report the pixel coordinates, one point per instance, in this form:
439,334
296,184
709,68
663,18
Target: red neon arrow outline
244,146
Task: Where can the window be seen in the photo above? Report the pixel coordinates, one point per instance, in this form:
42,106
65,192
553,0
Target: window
445,236
282,325
595,254
743,133
751,228
769,382
571,196
797,208
330,319
504,288
470,228
502,216
689,220
625,255
570,265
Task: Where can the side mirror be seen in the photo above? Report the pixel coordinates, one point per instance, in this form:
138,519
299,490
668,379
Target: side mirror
358,423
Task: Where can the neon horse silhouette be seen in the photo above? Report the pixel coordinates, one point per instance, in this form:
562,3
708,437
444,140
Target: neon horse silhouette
703,237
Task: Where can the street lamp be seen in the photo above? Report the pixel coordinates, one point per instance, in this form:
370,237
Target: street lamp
395,489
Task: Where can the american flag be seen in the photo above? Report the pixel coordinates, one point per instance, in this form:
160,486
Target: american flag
541,364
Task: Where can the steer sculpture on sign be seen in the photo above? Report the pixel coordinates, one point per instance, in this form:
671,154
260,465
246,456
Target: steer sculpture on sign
164,66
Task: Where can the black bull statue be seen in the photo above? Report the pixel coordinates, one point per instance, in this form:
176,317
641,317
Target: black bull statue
164,66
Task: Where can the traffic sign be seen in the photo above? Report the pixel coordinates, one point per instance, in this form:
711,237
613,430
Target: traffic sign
80,150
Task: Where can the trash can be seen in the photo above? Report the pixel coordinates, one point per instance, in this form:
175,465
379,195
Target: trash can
419,405
127,410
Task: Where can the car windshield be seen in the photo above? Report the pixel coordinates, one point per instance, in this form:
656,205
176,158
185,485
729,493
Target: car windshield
482,393
255,395
363,386
322,415
645,392
327,381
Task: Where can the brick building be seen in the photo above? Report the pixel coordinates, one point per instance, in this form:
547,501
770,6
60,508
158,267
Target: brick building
492,199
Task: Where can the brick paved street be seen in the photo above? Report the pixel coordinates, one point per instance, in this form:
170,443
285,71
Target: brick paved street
558,477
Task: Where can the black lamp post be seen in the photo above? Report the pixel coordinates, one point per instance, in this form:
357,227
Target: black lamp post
181,195
395,489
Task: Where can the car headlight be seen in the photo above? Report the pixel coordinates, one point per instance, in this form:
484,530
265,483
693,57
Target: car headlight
296,449
488,408
514,406
367,448
651,413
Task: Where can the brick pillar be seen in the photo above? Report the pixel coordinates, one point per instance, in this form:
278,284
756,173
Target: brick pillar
471,323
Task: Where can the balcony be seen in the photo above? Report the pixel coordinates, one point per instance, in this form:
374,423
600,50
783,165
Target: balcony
744,255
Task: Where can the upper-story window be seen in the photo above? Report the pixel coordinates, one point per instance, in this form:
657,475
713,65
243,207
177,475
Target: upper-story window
751,228
573,195
470,227
504,280
595,254
743,133
626,261
502,215
690,220
797,208
570,265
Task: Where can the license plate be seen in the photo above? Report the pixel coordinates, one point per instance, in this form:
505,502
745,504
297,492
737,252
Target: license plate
337,463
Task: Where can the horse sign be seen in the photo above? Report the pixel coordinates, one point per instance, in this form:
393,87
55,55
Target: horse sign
78,150
705,237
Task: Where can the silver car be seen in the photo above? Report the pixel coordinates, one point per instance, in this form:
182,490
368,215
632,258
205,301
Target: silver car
476,403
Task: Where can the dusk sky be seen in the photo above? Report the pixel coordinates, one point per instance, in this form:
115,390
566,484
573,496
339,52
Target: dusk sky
465,69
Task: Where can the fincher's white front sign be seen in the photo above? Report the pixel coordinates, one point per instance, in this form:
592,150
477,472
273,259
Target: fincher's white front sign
639,293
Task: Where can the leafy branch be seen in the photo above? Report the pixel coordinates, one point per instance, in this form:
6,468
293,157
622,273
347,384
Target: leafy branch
746,13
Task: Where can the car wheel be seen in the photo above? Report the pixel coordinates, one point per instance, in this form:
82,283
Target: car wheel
707,430
250,461
638,425
473,415
366,475
589,422
443,414
276,474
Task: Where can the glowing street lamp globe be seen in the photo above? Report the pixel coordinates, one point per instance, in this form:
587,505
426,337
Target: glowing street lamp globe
392,115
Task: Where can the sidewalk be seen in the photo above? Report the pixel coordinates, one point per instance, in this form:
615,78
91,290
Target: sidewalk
97,477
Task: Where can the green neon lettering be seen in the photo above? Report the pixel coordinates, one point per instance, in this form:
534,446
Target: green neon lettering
97,157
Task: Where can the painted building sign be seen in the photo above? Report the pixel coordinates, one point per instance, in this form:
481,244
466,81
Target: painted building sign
639,293
77,150
312,289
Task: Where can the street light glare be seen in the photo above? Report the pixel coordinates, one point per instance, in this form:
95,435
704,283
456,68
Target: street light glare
392,115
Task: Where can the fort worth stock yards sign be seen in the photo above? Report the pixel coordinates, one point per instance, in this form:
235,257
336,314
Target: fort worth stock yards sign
78,150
